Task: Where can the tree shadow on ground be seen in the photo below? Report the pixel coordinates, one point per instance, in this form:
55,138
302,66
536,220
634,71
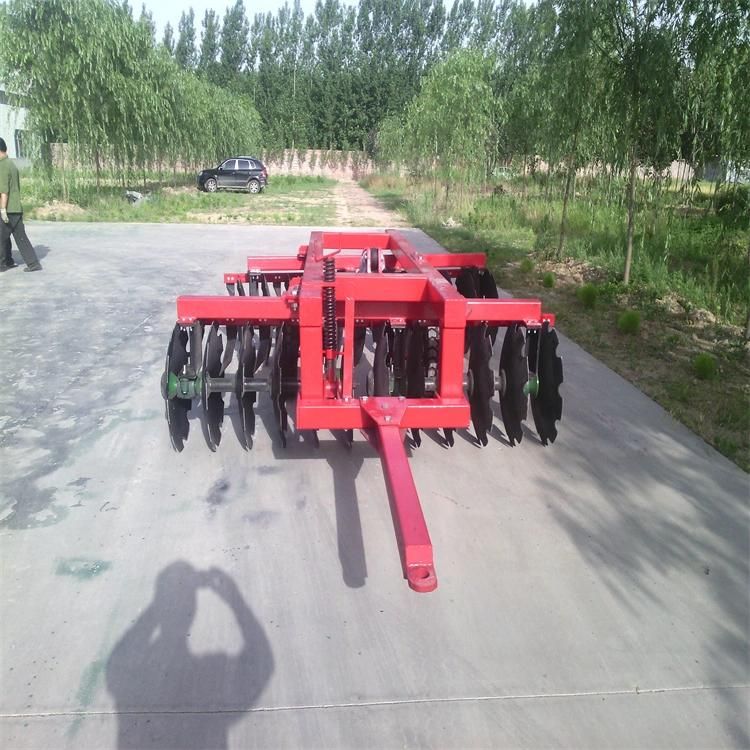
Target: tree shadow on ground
652,509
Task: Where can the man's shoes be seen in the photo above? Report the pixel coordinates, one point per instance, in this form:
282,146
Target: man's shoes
33,267
7,266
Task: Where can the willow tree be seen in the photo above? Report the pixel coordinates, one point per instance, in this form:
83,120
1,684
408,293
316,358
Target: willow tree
91,77
572,90
639,45
448,123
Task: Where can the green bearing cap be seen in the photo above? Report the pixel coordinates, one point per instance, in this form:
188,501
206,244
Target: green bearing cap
182,387
532,386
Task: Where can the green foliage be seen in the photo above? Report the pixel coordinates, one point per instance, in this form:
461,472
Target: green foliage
704,366
629,322
184,51
526,265
732,206
548,280
447,125
117,101
588,295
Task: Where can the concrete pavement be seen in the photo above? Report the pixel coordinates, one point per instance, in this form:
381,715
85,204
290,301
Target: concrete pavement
592,594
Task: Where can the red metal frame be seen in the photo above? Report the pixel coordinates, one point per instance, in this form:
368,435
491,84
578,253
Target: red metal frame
419,292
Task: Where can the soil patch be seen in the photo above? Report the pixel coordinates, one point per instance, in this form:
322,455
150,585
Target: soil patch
57,210
355,207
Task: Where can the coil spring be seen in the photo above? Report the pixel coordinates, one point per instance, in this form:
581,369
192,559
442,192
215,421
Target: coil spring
329,305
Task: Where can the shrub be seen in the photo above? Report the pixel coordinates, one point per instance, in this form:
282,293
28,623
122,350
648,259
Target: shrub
527,265
548,280
629,322
733,205
588,294
704,366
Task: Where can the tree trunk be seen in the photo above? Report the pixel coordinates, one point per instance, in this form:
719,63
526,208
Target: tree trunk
631,219
568,181
62,166
549,174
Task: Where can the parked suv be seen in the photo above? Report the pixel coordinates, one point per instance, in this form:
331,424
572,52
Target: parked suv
238,173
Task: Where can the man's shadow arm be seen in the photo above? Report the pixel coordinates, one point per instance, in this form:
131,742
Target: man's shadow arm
249,671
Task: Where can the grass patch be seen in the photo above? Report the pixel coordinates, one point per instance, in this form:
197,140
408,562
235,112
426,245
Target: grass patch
689,288
289,200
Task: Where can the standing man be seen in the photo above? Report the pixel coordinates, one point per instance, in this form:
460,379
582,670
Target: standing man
11,216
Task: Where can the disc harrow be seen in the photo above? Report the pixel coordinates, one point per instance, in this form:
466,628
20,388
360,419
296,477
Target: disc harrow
297,327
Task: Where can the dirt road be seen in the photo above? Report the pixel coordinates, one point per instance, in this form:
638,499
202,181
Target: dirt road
355,207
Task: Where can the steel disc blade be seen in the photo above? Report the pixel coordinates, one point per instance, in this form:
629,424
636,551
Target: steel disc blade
484,383
229,351
467,284
381,386
264,332
546,406
284,371
214,419
448,431
176,409
264,346
289,357
177,351
488,290
360,334
246,368
398,362
415,371
277,288
276,379
213,403
515,373
177,421
212,355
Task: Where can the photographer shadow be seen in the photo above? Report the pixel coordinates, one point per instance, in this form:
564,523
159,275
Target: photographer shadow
166,696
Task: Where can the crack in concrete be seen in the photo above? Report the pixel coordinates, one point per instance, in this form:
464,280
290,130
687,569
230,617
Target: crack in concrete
375,704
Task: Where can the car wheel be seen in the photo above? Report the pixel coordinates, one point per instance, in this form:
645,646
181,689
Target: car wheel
211,185
253,186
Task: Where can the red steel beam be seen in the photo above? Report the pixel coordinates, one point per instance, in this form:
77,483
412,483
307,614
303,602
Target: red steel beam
352,413
234,310
415,546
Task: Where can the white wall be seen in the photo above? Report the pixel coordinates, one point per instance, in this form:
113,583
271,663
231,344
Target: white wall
11,120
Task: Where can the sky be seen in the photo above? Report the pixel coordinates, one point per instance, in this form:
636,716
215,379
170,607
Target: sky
169,11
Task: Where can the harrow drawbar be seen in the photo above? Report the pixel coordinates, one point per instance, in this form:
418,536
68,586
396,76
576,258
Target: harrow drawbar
299,324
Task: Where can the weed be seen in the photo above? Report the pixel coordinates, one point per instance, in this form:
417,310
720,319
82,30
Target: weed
548,280
726,446
526,265
588,294
704,366
678,390
629,322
